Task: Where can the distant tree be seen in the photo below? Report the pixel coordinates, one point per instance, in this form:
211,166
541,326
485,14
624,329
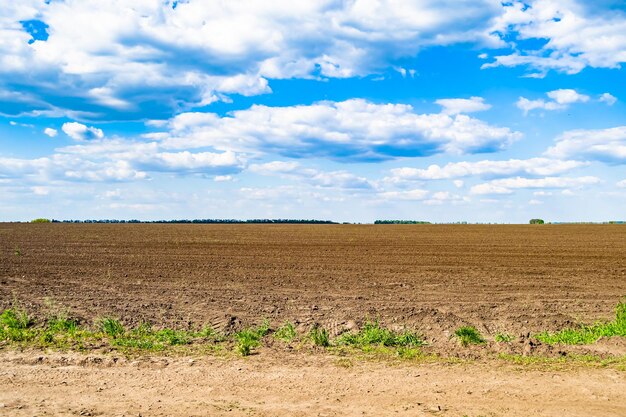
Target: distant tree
41,221
536,221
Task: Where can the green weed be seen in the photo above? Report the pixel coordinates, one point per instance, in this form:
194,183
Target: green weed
503,338
111,327
319,336
249,339
589,334
469,335
14,319
373,334
286,332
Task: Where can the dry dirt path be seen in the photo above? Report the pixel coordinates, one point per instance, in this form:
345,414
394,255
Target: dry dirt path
35,384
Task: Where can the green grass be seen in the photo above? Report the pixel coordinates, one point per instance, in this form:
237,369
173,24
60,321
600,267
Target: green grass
17,251
469,335
372,334
587,334
14,318
319,336
111,327
286,332
503,338
249,339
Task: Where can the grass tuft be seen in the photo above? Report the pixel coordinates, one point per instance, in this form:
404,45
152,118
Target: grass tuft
111,327
503,338
319,336
469,335
14,319
584,335
286,332
248,339
372,334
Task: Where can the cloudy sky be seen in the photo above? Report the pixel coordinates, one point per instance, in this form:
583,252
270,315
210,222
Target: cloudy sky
440,110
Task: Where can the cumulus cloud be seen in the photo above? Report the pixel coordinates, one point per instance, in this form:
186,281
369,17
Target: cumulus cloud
577,34
408,195
80,132
50,132
463,105
608,98
508,185
622,184
111,52
608,145
324,179
487,168
118,160
559,99
355,130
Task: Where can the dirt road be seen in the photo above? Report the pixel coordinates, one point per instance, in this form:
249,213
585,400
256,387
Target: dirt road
34,384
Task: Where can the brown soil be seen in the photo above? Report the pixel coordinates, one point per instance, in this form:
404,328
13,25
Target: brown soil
514,279
304,385
518,279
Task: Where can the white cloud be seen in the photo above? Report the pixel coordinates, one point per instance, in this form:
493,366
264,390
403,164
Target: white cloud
40,190
577,34
50,132
349,130
608,145
608,98
487,168
567,96
463,105
507,185
409,195
118,160
80,132
560,99
324,179
223,178
621,184
112,52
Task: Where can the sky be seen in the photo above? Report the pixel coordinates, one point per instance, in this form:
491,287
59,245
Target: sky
433,110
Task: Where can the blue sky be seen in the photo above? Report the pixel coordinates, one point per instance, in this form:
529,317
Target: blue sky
480,111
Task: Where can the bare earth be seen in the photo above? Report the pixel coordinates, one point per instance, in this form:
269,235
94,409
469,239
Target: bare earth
303,385
515,279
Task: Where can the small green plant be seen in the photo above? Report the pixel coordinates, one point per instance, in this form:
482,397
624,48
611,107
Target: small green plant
503,338
14,319
17,251
373,334
286,332
319,336
469,335
111,327
248,339
589,334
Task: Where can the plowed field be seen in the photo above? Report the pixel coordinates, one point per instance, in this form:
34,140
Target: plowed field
519,278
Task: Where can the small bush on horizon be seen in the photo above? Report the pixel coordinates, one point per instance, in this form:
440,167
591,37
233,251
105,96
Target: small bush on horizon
41,220
469,335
